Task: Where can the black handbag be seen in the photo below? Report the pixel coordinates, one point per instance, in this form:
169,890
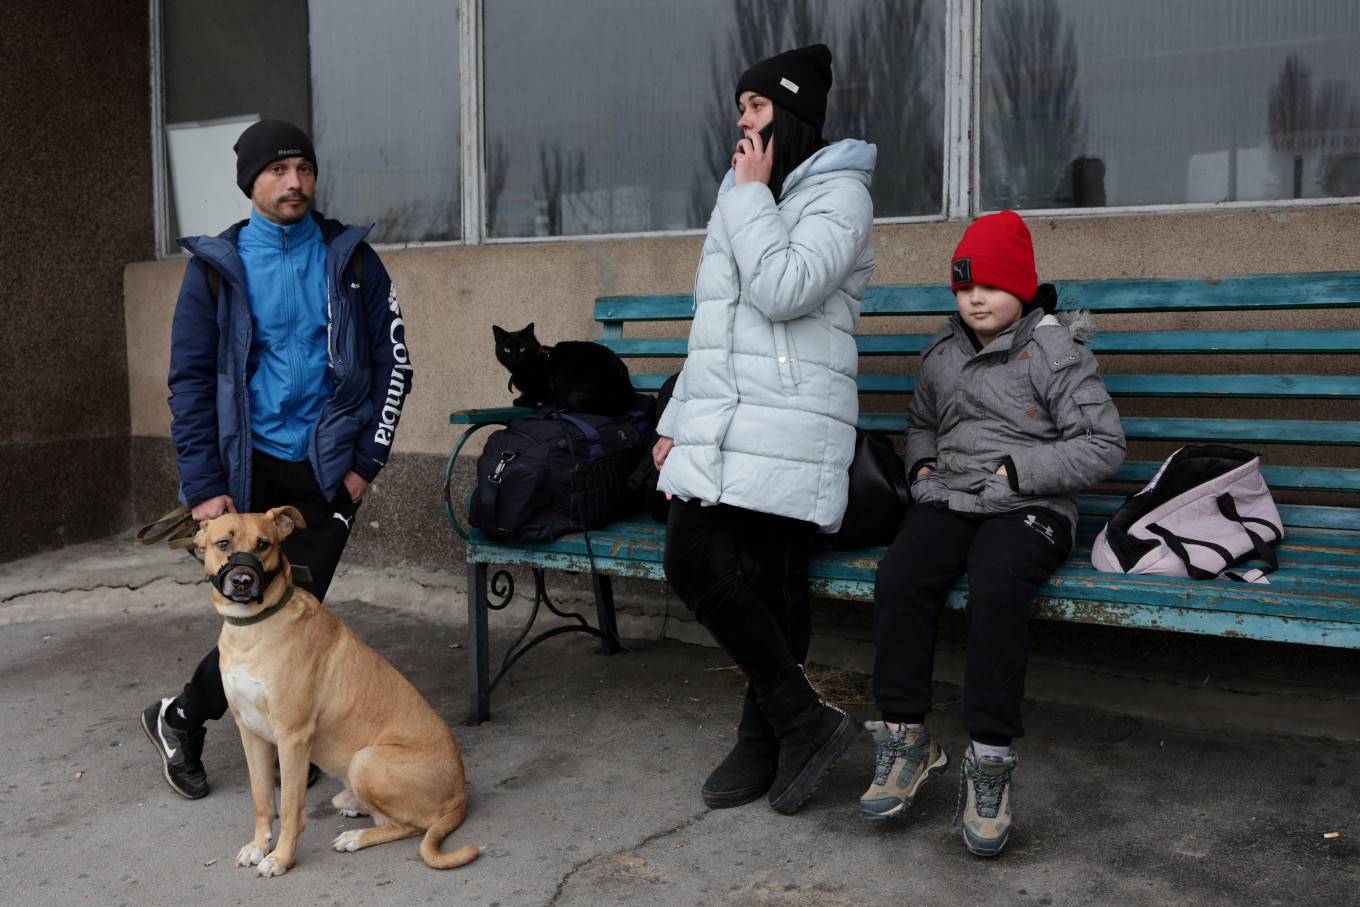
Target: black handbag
879,495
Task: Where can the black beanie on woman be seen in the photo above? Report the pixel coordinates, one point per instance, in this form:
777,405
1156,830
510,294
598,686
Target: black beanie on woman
796,80
265,142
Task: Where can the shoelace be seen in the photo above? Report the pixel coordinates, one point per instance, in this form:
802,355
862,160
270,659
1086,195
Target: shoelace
887,754
987,788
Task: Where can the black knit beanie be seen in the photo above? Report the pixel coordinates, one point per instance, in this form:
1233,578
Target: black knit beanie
797,80
265,142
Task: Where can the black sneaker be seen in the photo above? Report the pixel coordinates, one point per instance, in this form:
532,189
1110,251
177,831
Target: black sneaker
180,752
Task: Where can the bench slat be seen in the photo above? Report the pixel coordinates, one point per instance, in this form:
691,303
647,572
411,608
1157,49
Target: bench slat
1248,291
1277,477
1198,431
1126,342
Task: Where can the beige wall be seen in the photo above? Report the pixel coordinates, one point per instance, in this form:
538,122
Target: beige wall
451,295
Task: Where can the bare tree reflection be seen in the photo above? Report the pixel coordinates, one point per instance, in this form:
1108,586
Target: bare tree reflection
892,90
560,174
762,29
1325,130
497,171
1031,111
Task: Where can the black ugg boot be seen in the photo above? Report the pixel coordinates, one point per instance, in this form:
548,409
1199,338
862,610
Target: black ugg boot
749,770
812,736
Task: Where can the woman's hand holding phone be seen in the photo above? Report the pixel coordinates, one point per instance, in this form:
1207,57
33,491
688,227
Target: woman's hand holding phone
754,158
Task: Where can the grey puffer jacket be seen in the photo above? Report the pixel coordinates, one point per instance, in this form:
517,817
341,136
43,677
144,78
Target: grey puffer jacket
763,415
1032,400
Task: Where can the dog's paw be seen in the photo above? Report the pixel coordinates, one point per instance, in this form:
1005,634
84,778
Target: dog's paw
250,855
348,841
270,866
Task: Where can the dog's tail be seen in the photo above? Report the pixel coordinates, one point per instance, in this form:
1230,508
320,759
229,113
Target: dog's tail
441,829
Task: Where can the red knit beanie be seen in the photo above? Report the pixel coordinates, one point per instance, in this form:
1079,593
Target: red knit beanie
996,251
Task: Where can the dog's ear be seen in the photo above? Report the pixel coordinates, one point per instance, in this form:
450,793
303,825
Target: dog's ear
286,519
201,536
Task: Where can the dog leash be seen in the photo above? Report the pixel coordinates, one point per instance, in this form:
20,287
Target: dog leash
177,529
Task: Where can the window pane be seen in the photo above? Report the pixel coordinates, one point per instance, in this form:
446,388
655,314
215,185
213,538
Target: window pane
218,65
609,116
385,116
1107,102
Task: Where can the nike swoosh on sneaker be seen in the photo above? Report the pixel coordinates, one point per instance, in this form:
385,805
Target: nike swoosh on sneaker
160,732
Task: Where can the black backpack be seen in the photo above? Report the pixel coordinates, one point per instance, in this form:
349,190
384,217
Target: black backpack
551,472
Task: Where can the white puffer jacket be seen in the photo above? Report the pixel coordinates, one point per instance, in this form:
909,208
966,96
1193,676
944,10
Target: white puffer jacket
763,415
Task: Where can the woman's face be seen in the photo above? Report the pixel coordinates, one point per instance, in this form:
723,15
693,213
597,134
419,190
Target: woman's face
756,112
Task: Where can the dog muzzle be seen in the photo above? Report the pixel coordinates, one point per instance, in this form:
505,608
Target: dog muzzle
243,578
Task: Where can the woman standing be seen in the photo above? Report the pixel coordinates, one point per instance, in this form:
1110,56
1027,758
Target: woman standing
757,439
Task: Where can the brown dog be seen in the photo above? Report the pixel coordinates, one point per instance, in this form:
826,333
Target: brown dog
299,679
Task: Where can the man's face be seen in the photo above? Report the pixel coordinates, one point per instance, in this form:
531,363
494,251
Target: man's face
283,190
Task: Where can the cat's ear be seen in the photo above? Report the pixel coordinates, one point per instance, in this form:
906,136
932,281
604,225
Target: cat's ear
499,332
528,329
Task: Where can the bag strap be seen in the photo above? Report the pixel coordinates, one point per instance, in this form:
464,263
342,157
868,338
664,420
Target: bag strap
1228,507
1178,544
595,449
490,491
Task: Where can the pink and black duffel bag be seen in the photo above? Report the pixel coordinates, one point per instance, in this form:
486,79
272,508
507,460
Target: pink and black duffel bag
1207,509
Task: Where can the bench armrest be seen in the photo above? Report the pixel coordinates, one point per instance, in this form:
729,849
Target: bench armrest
487,416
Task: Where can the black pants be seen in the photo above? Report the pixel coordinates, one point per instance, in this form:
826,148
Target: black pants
1005,556
275,483
745,576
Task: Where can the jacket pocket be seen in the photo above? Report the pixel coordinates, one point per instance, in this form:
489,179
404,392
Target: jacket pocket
997,497
786,359
1089,402
928,487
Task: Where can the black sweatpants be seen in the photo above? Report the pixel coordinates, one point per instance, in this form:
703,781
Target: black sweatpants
745,576
1005,556
275,483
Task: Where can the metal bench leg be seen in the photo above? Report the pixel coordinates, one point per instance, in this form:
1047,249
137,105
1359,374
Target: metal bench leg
479,682
604,614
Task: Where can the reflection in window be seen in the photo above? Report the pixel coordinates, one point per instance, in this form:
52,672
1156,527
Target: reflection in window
385,116
1105,102
621,118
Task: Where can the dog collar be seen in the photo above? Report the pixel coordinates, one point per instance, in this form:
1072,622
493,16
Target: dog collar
267,612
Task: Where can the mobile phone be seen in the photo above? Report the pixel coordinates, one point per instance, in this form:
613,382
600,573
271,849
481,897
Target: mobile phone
764,135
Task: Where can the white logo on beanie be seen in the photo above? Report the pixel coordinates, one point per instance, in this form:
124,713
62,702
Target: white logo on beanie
789,85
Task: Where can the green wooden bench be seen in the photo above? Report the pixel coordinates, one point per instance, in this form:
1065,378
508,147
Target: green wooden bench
1286,393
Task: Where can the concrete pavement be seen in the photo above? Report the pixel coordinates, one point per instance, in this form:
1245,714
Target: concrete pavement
584,786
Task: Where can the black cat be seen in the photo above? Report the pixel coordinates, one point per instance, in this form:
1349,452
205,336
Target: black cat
573,375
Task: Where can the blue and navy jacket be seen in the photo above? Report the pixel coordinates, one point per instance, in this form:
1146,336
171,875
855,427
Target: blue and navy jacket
368,369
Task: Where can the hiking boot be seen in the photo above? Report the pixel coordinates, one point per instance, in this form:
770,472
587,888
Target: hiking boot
180,752
812,735
985,802
749,769
903,760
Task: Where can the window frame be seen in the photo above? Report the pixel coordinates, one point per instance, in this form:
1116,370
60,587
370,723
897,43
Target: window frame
961,165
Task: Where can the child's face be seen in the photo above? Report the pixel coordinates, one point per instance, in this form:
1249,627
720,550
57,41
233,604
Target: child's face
987,310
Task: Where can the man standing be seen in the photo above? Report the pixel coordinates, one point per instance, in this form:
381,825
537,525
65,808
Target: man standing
288,369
